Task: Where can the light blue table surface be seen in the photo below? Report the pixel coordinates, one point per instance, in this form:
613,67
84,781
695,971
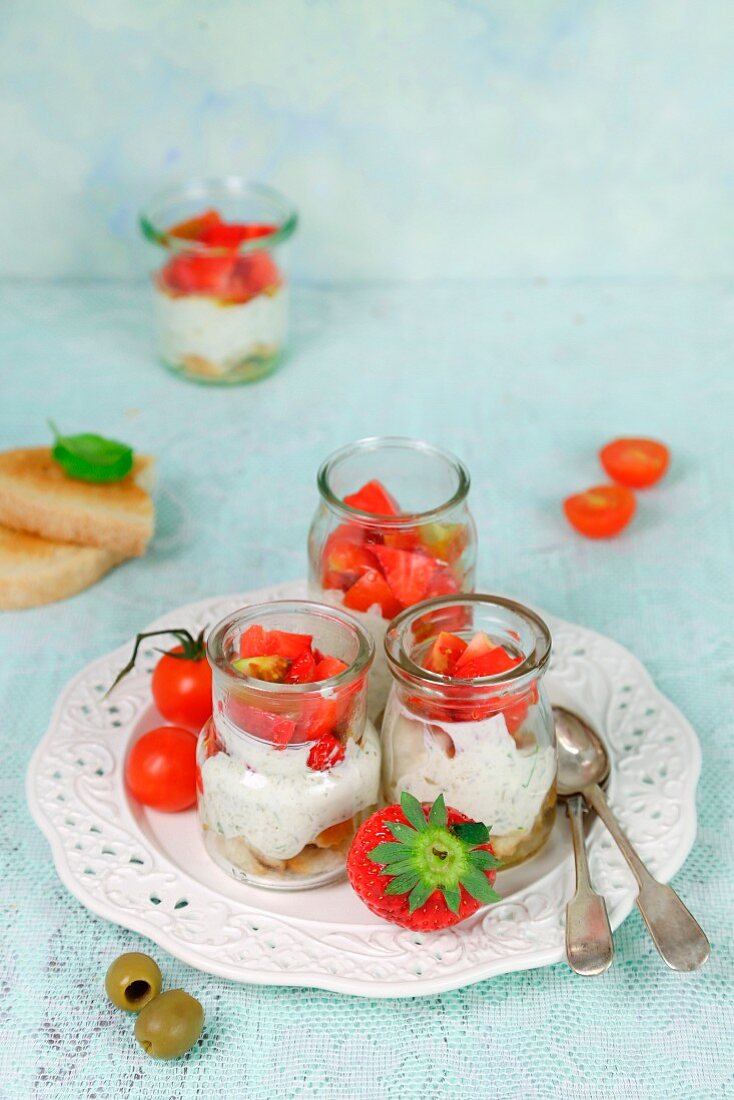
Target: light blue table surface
524,381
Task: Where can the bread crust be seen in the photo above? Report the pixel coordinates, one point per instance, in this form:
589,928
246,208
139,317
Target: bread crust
34,571
37,496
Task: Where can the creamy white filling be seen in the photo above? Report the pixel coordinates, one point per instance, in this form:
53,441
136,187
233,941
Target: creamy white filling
223,334
488,777
277,803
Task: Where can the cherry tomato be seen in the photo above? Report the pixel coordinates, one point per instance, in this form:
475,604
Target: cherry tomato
182,689
636,463
160,770
600,512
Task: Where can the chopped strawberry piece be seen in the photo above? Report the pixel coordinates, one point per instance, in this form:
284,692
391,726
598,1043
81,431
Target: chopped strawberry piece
444,653
372,590
327,752
252,642
328,667
373,498
407,574
260,723
284,644
303,669
193,228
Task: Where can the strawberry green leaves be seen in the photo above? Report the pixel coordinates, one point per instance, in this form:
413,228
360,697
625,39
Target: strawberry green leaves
89,457
429,855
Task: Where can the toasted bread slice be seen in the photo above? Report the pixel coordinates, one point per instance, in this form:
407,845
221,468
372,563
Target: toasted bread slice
37,496
34,571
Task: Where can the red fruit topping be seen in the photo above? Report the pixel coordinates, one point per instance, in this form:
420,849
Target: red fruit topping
407,574
373,498
372,590
328,667
303,669
406,538
319,717
601,512
193,228
260,723
443,583
252,642
214,276
346,559
444,653
232,235
423,867
637,463
285,644
327,752
482,657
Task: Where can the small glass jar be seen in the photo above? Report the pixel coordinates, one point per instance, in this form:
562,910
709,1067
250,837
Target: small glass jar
221,301
488,744
287,772
375,565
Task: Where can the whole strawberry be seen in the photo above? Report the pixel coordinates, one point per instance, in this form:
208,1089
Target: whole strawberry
424,867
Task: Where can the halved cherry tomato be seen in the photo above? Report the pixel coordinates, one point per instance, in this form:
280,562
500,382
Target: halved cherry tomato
160,770
600,512
637,463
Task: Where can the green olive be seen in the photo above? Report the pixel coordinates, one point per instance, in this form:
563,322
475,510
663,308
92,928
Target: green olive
169,1025
132,981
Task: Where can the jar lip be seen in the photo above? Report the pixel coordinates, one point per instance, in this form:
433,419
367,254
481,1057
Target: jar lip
150,217
255,613
403,665
404,519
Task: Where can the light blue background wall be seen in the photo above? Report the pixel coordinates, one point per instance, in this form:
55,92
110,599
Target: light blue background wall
420,138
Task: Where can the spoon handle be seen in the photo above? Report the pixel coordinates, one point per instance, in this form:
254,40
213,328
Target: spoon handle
589,945
675,932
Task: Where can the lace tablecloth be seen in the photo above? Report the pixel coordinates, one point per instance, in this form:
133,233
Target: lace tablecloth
525,382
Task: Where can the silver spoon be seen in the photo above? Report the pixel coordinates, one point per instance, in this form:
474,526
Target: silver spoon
583,764
589,944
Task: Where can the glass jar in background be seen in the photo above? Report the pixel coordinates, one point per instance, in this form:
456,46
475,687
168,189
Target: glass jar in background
392,528
487,742
221,300
287,771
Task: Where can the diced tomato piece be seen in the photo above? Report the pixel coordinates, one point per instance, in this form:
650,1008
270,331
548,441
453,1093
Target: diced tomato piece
515,709
444,653
600,512
346,559
320,716
372,590
272,668
232,234
284,644
260,723
327,752
407,574
195,273
303,669
252,642
442,583
255,273
193,228
328,667
429,708
373,498
405,538
483,658
636,463
446,541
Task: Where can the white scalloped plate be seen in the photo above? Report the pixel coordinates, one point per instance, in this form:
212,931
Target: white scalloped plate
149,872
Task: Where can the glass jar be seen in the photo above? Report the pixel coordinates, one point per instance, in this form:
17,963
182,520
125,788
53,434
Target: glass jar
374,564
287,772
488,743
221,302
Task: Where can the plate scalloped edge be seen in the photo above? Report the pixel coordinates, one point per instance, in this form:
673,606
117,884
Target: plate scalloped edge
75,793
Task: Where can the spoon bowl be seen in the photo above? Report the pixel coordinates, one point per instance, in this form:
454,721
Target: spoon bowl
583,760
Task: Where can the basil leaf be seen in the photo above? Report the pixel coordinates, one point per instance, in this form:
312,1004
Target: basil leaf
90,457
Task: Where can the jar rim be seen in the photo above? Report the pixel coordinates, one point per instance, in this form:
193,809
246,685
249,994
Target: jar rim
254,612
404,519
150,217
402,664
